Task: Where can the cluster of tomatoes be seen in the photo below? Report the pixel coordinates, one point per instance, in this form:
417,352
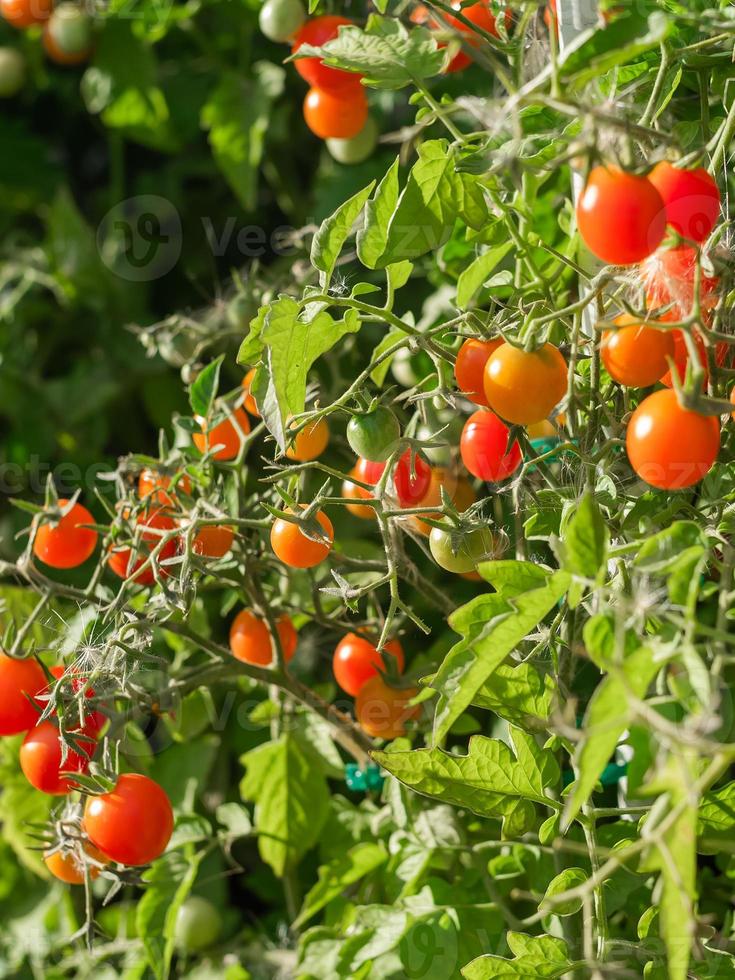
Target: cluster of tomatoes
130,825
67,37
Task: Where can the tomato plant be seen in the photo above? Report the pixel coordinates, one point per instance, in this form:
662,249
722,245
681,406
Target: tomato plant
153,546
132,823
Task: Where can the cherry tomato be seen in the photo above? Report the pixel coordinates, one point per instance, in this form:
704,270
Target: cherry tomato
12,72
316,32
251,642
681,356
66,543
133,823
280,19
484,447
482,16
691,199
411,478
224,435
68,866
620,216
125,564
368,472
331,116
198,925
213,540
461,553
458,488
20,681
24,13
94,721
669,278
382,710
155,485
636,354
294,548
355,492
669,446
357,148
374,435
356,660
469,368
68,35
310,442
523,387
41,759
249,404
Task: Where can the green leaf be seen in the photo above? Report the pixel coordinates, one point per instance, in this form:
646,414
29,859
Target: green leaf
333,233
338,875
716,820
569,878
511,578
372,237
478,272
389,340
595,52
489,780
291,797
606,639
204,390
586,540
674,546
521,694
167,888
535,958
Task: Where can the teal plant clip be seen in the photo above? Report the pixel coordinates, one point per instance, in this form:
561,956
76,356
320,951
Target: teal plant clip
365,780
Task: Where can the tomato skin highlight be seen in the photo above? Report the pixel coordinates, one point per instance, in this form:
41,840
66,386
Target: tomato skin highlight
635,355
317,31
524,386
411,486
668,446
224,435
620,216
331,116
25,13
251,642
40,759
66,544
20,680
133,823
356,660
469,368
310,442
382,710
484,447
691,199
125,564
67,867
293,548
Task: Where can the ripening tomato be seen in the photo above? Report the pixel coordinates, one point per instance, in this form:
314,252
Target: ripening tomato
356,660
310,442
20,681
681,356
155,484
66,543
411,478
24,13
382,710
316,32
669,279
68,35
620,216
225,435
374,435
291,545
67,864
691,199
469,368
484,447
249,403
669,446
460,553
355,492
524,386
280,19
251,641
368,471
125,563
41,759
213,540
332,116
635,355
133,823
357,148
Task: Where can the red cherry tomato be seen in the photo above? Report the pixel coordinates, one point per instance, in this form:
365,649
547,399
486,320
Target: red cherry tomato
294,548
524,386
681,356
124,563
251,642
484,448
635,355
156,485
669,446
331,116
213,540
469,368
20,681
317,32
691,199
367,471
356,660
41,759
411,478
224,434
133,823
68,866
355,492
66,543
482,16
620,216
24,13
382,710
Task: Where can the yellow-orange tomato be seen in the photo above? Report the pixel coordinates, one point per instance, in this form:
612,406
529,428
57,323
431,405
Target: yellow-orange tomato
354,492
635,355
310,442
24,13
469,368
249,403
157,484
294,548
251,641
382,710
213,540
67,866
524,386
224,435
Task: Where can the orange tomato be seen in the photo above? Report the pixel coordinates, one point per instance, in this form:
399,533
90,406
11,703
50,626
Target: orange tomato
310,442
355,492
469,368
250,404
251,641
636,354
68,866
224,435
125,564
66,543
524,386
155,484
25,13
294,548
331,116
213,540
382,710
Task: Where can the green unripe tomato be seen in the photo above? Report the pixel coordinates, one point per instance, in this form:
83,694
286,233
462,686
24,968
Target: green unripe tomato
470,549
280,19
12,72
374,435
71,29
198,925
358,148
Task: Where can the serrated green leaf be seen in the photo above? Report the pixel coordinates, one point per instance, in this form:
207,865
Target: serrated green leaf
535,958
586,539
338,875
333,233
372,237
478,272
204,389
